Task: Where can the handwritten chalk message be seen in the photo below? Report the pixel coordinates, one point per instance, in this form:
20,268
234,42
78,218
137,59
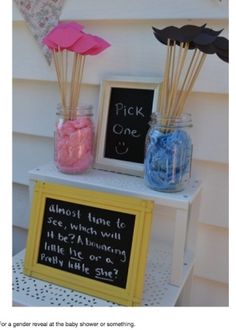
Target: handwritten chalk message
88,241
127,125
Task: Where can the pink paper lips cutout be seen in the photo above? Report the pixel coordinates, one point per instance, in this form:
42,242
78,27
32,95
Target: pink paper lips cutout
63,35
70,36
101,45
83,44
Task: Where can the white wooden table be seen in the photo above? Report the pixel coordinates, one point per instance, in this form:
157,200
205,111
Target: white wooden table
169,268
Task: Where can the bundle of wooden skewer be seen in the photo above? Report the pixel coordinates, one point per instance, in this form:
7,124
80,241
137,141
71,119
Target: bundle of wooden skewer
181,71
69,77
70,45
179,78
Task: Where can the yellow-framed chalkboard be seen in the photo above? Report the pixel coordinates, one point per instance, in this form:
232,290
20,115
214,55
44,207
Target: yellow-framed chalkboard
89,241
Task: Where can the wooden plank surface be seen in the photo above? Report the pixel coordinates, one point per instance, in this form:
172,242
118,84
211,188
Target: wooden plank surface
35,105
133,51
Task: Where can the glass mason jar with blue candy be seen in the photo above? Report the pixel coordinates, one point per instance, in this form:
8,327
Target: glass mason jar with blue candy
168,153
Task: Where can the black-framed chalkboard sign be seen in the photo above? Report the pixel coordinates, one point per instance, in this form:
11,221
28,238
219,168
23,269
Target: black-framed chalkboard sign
89,241
125,108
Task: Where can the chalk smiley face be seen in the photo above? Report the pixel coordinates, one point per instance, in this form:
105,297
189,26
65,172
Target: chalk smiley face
121,148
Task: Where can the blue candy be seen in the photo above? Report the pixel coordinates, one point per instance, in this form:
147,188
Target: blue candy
167,163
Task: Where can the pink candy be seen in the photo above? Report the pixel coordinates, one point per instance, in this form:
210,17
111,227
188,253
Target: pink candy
74,145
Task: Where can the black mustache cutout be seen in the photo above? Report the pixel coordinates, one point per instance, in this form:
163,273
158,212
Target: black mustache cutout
203,38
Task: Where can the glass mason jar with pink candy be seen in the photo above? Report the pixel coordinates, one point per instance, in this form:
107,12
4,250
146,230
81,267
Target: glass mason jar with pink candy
74,133
74,140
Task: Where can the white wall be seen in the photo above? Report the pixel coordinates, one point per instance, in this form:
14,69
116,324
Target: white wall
127,26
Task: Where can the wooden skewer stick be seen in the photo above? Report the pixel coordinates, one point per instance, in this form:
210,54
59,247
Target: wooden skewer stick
72,82
166,76
75,82
203,57
170,95
160,99
57,67
191,83
78,81
172,72
64,68
187,79
173,64
66,80
62,75
181,59
75,73
82,62
189,69
164,87
168,80
173,83
59,79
